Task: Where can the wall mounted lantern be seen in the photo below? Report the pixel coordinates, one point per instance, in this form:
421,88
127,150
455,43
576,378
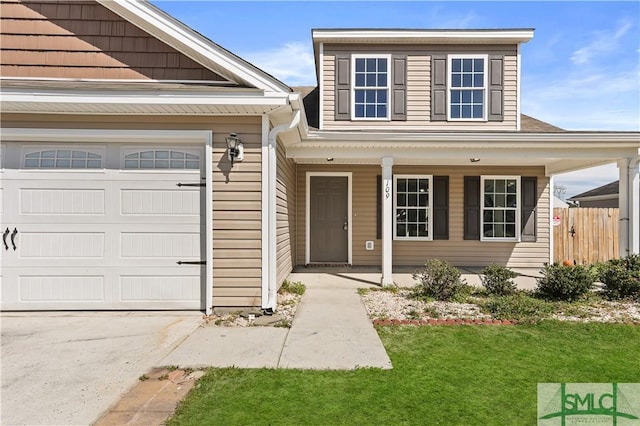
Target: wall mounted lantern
236,149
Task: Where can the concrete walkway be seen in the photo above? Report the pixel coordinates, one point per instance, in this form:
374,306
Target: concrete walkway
331,330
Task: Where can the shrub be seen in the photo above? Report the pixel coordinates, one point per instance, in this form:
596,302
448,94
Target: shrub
566,283
498,280
621,278
293,287
519,307
438,279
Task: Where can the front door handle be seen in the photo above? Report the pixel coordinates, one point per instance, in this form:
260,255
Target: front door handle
345,226
4,238
13,238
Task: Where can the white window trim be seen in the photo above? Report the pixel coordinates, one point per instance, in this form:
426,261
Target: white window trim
353,86
518,209
429,208
450,58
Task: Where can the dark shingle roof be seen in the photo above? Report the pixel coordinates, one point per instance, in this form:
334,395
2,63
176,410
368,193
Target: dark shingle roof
609,189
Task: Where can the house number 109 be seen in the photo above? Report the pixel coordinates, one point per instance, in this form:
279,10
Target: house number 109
387,191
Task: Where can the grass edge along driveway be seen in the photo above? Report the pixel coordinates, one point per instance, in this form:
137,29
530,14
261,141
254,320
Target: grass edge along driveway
450,375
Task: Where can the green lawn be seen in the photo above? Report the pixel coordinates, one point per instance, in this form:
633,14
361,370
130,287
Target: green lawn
450,375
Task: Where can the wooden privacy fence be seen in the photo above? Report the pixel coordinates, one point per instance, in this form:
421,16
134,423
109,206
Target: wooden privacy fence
585,235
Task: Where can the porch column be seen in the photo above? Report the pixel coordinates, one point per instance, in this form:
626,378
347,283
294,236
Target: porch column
623,205
634,205
387,221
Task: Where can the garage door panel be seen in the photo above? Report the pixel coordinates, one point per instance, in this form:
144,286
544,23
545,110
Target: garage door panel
48,201
160,202
154,287
66,288
176,245
61,245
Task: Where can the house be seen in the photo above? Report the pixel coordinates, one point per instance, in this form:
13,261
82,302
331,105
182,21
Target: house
123,188
605,196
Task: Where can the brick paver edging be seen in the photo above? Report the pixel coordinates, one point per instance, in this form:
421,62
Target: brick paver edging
435,321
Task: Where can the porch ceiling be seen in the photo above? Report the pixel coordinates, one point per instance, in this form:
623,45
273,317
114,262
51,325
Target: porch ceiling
557,152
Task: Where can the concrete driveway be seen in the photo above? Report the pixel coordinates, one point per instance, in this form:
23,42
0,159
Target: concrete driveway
68,368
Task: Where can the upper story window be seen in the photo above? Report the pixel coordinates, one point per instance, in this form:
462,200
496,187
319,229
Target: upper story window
467,87
370,87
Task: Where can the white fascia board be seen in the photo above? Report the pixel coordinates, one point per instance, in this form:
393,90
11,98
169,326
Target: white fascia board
102,135
422,36
143,97
596,197
627,139
185,40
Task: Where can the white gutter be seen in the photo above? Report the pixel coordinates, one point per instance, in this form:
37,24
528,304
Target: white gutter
271,222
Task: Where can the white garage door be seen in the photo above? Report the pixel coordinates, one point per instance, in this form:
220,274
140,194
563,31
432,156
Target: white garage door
102,226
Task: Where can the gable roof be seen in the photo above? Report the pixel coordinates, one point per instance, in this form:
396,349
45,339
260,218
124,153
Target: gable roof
193,44
611,189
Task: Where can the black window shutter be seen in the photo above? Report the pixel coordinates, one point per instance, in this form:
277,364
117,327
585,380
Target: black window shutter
472,207
441,207
343,89
438,88
399,88
379,207
496,88
528,209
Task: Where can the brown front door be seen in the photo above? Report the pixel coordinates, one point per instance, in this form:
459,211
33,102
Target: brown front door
328,221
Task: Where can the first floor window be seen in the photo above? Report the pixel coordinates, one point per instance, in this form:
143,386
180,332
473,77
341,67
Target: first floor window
500,208
413,199
371,87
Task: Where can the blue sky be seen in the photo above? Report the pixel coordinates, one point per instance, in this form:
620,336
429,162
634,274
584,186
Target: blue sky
581,71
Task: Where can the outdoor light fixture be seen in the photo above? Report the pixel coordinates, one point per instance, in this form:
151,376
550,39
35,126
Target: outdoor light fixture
236,149
474,160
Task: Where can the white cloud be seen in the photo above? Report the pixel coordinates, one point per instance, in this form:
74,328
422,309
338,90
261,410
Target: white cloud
604,42
292,63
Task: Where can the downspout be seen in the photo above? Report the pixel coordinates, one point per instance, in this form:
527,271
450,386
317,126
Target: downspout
272,285
633,207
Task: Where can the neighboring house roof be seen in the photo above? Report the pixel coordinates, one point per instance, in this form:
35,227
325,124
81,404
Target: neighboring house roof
530,124
607,191
558,203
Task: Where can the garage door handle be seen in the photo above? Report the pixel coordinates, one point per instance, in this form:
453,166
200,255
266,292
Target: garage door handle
4,238
194,262
13,237
202,184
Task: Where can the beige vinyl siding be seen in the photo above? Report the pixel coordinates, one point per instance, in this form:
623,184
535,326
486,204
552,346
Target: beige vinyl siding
237,222
456,250
419,88
80,39
286,217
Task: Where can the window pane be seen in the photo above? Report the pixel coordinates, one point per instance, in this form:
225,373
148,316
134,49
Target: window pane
423,200
382,96
422,215
134,155
478,96
498,231
48,154
401,215
412,200
192,164
64,153
78,163
510,216
489,185
478,80
401,185
412,230
93,164
512,187
370,96
500,200
477,111
467,65
46,163
130,164
510,230
456,65
33,155
511,201
370,111
65,163
371,80
412,215
466,111
456,80
467,80
162,154
487,230
382,80
478,65
146,164
382,111
359,65
456,111
371,64
456,96
401,230
382,65
466,96
359,110
412,185
498,215
401,200
487,216
488,200
146,154
162,164
360,80
31,162
500,186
